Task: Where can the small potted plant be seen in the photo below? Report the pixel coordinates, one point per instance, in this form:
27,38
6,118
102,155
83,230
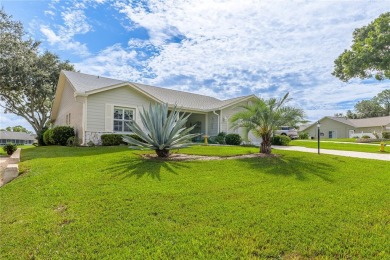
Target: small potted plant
9,148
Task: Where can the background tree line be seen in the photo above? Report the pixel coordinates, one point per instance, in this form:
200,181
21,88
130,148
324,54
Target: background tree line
375,107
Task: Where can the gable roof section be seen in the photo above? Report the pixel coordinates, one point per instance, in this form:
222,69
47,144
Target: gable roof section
85,84
373,121
343,120
357,123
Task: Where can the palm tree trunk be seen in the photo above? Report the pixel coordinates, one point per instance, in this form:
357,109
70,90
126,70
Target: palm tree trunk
265,146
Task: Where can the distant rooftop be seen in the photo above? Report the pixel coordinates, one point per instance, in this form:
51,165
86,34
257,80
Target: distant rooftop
16,136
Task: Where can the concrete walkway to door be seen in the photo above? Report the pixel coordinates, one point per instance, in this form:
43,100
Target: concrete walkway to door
374,156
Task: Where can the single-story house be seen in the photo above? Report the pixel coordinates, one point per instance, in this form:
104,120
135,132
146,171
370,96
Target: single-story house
96,105
342,127
16,138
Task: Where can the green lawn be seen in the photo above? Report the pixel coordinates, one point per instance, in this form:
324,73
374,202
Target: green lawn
108,203
351,140
368,148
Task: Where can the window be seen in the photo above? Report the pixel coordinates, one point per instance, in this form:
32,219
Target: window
122,117
68,119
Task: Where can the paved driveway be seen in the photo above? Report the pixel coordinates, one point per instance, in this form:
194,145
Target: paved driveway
374,156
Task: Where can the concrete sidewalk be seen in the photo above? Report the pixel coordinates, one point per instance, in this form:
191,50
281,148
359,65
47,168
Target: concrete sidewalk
374,156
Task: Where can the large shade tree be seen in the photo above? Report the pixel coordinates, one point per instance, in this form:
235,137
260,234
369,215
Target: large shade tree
28,78
263,116
369,55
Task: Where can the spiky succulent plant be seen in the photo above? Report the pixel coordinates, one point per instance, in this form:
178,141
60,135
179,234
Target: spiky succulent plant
162,131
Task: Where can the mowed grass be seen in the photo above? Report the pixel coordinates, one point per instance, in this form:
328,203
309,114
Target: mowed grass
108,203
357,147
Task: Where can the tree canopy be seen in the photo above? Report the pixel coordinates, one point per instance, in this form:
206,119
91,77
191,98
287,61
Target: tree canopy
17,128
28,78
370,52
375,107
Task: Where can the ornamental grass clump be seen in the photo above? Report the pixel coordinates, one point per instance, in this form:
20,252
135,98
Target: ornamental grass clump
162,130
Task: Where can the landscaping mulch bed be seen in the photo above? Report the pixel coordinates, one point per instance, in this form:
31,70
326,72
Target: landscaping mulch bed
191,157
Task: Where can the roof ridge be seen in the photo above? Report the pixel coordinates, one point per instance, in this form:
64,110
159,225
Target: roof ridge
90,75
182,91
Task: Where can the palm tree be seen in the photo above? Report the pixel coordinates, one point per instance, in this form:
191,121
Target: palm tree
161,131
262,117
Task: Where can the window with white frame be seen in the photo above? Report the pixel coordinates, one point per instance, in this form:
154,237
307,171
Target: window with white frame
122,117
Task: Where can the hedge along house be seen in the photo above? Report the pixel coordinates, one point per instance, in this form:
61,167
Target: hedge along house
96,105
341,127
18,138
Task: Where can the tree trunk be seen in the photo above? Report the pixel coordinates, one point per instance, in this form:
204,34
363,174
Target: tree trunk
265,146
162,153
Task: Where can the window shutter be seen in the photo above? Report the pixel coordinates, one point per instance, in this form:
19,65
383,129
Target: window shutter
109,123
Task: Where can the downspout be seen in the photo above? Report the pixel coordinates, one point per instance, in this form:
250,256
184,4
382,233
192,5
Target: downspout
217,121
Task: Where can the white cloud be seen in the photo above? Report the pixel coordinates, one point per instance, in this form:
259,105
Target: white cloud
74,23
251,46
49,13
115,62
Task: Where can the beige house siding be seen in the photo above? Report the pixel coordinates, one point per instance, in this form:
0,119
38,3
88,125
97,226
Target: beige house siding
341,130
376,129
227,113
121,97
70,110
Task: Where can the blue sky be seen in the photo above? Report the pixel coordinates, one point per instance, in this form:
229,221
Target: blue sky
221,48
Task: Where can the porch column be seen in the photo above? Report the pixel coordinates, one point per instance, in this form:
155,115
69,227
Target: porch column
206,124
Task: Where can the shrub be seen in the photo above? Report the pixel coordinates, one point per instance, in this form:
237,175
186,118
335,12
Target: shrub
48,137
233,139
111,139
61,134
303,135
91,144
386,135
220,138
280,140
9,148
366,137
40,136
73,141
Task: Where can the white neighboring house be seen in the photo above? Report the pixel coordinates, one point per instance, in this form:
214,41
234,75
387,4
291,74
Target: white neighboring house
341,127
96,105
16,138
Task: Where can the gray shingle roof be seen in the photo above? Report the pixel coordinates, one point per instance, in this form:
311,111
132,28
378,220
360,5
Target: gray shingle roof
85,83
373,121
343,120
357,123
16,136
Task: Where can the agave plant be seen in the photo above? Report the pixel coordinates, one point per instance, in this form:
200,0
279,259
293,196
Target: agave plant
161,131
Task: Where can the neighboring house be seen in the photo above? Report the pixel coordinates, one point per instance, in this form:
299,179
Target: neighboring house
96,105
341,127
16,138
